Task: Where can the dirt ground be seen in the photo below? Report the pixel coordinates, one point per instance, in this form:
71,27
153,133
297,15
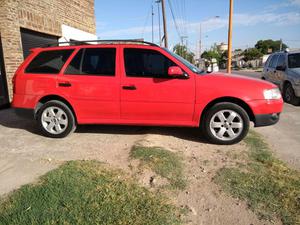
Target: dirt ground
25,155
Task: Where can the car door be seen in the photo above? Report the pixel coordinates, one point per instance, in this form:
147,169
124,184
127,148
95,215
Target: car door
280,70
148,94
271,71
91,81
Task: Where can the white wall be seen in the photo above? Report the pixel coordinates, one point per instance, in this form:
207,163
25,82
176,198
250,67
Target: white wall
71,33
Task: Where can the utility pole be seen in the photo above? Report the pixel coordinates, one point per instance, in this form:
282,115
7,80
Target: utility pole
164,22
152,25
200,41
230,37
280,44
159,23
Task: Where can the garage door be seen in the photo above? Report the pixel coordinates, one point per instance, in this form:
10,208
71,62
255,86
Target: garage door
3,84
32,39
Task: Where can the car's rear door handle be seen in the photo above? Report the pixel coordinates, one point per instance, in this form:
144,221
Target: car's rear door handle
64,84
129,87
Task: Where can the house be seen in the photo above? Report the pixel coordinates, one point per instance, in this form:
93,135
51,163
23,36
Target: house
25,24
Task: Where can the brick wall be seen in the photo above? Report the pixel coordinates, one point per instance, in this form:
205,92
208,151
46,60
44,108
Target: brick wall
44,16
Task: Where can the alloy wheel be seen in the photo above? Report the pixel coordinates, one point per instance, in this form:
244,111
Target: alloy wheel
226,125
54,120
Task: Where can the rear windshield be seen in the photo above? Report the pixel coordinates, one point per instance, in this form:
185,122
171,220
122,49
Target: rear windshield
49,62
294,60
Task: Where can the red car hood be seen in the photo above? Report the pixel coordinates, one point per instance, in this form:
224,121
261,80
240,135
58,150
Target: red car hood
222,84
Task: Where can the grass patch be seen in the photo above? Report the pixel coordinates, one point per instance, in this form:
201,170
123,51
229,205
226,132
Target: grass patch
266,183
163,162
84,192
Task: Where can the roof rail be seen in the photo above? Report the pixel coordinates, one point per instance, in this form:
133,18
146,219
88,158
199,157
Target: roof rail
76,43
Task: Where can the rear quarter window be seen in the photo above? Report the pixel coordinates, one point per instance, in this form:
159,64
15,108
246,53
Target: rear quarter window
49,62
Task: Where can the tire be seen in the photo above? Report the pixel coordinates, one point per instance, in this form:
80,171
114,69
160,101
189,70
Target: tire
56,119
225,124
289,95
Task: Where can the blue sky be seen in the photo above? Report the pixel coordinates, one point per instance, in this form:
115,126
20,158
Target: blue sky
253,20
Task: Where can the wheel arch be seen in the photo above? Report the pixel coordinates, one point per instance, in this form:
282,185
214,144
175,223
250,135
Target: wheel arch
234,100
48,98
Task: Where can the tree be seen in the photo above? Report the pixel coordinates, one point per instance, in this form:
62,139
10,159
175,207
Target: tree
184,53
211,54
265,45
252,54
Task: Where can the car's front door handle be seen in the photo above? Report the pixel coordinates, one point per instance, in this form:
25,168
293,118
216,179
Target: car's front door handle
129,87
64,84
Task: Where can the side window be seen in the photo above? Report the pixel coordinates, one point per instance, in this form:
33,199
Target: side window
273,61
146,63
93,61
267,63
281,61
49,62
99,61
75,65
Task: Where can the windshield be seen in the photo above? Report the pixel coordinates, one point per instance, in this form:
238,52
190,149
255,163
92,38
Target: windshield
294,60
185,62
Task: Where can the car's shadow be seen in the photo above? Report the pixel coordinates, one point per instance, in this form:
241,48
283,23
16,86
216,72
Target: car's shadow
9,119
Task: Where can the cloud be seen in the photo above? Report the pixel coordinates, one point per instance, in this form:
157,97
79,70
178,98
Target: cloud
295,2
289,3
245,20
132,31
239,20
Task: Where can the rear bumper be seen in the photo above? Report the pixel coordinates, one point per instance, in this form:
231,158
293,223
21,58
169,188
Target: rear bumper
266,119
24,113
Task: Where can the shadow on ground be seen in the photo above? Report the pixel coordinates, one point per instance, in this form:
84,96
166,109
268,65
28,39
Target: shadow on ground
9,119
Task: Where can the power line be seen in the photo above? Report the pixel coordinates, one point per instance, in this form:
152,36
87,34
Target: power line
147,19
174,20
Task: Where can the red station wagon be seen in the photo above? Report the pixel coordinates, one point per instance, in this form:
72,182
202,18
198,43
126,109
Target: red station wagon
138,83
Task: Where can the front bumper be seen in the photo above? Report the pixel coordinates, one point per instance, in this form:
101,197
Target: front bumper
266,112
297,90
266,119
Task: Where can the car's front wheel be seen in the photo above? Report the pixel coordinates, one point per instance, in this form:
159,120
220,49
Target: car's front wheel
225,123
289,95
56,120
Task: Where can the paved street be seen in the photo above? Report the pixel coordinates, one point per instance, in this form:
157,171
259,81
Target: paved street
284,136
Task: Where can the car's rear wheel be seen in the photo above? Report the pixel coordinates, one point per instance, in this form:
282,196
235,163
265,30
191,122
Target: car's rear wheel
56,120
289,95
225,123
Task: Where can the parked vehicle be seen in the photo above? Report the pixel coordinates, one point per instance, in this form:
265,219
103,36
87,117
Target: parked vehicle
138,83
283,69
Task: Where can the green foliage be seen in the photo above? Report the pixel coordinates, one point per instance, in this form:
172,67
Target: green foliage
163,162
184,53
264,45
252,54
267,184
211,54
83,192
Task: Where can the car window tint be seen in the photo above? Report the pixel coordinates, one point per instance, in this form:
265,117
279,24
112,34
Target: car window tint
146,63
75,65
281,60
49,62
99,61
273,61
294,60
268,61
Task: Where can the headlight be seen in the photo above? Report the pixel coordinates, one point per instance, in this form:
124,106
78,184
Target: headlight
272,94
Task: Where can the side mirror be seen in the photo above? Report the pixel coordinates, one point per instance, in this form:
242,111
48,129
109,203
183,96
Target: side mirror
281,68
175,71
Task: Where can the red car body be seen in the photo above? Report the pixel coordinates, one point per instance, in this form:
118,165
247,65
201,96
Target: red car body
142,101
